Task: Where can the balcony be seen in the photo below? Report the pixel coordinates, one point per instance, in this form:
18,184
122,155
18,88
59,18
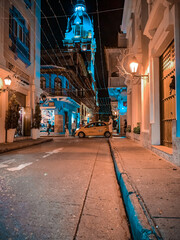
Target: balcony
62,92
114,82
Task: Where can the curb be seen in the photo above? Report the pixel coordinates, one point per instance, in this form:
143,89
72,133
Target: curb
13,148
142,227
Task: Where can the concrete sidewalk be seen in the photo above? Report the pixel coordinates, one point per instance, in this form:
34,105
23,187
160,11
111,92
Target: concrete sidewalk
6,147
151,190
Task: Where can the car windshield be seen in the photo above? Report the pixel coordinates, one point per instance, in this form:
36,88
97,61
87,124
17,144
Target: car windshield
100,124
96,124
90,125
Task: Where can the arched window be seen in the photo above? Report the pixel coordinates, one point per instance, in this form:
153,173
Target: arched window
43,83
58,86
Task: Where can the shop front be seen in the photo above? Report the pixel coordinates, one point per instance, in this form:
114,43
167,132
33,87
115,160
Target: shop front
56,112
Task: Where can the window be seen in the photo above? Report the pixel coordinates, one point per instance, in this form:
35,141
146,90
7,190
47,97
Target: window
77,30
57,83
19,34
43,83
82,92
58,86
90,125
100,124
28,3
15,28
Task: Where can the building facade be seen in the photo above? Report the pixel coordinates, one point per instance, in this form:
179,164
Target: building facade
68,74
80,33
152,30
116,83
20,60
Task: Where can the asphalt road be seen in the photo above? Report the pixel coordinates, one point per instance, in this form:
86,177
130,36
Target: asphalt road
65,189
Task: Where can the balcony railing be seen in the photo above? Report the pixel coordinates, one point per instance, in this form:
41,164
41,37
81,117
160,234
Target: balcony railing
62,92
116,82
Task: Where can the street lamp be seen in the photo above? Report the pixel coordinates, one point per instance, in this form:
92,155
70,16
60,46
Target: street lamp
7,82
134,67
128,65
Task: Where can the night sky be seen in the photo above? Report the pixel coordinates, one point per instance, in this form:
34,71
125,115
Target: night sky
110,17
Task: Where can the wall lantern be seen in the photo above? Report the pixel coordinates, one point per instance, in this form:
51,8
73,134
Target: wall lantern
134,65
7,82
128,65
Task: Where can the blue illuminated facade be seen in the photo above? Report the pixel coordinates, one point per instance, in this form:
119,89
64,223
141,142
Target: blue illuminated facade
19,34
80,31
58,107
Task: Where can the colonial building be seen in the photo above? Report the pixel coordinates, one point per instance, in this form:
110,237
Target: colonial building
116,83
67,76
80,33
19,60
152,30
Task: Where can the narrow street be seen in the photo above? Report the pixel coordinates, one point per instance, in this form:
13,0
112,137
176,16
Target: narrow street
65,189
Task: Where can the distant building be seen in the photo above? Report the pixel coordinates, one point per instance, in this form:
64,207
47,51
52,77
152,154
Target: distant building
80,34
68,76
116,83
20,59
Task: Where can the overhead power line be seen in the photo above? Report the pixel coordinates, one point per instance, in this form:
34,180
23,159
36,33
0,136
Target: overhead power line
90,13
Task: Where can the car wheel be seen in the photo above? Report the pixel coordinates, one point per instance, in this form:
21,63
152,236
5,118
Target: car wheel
107,134
81,135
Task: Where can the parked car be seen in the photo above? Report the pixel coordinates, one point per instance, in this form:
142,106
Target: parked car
94,129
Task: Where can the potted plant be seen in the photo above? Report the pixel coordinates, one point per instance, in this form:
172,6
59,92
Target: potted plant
137,129
12,117
36,123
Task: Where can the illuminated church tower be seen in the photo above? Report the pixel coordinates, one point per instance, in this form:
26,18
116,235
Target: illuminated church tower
80,32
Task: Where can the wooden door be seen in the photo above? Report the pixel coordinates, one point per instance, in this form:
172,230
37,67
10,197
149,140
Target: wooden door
167,94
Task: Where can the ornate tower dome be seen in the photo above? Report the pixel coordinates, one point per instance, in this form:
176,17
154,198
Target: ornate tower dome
80,31
80,24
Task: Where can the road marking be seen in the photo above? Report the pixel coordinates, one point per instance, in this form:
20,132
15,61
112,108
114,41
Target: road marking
5,163
19,167
52,152
9,161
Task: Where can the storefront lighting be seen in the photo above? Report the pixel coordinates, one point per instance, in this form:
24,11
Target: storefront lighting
7,83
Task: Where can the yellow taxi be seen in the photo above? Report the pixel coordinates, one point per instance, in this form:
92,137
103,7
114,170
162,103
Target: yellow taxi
94,129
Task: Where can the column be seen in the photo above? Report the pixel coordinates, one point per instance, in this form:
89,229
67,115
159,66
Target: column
154,102
129,107
3,109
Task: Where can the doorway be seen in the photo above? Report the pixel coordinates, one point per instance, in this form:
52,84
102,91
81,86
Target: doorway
167,94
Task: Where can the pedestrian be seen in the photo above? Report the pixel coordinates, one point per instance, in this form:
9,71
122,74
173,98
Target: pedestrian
66,130
73,128
48,128
125,125
110,125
